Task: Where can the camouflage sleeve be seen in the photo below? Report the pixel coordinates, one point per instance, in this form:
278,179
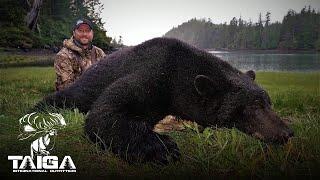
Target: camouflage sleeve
64,72
100,54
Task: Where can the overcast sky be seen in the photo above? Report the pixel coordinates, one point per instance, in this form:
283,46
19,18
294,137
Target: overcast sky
140,20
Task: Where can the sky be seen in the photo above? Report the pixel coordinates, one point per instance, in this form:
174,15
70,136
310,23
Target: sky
139,20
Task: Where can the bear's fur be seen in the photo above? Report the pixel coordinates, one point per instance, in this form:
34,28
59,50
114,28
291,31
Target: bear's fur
129,91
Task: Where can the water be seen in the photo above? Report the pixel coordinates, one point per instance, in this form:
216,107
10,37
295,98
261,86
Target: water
271,60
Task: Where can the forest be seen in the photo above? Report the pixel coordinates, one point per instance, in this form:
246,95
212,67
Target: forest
297,31
44,24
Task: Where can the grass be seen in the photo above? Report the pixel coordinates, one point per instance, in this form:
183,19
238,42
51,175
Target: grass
215,152
23,60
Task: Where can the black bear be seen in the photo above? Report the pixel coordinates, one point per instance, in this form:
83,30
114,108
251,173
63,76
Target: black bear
129,91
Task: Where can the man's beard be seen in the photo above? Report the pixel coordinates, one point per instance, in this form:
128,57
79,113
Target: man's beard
84,44
80,44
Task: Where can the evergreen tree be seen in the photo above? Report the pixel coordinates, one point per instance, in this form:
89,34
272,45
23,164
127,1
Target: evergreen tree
27,165
267,19
67,165
50,24
297,31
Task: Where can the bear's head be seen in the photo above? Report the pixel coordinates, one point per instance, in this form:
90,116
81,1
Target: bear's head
237,101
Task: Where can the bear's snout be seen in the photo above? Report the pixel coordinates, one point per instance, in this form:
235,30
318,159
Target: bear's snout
267,126
282,138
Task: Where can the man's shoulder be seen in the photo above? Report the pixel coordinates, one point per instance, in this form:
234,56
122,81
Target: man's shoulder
63,56
99,52
64,53
98,49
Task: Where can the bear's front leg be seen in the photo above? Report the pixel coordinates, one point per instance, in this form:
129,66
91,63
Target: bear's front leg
122,119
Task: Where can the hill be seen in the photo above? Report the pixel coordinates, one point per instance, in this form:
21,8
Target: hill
297,31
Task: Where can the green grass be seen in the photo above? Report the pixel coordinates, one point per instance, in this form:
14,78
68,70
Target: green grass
216,152
22,60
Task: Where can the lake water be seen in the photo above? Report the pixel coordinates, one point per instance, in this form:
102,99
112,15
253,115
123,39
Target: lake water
271,60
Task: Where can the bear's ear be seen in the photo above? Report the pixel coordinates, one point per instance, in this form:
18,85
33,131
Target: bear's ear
251,74
205,85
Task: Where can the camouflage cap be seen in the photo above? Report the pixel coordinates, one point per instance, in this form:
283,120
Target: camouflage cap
82,21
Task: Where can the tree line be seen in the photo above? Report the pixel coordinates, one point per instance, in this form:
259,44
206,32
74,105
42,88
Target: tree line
46,23
298,31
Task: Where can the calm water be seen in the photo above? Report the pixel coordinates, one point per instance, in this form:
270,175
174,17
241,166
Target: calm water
271,61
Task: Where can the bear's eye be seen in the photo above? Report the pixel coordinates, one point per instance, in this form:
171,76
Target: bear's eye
269,100
258,102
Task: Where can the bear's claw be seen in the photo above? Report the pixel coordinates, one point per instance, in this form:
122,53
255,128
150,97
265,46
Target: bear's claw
159,149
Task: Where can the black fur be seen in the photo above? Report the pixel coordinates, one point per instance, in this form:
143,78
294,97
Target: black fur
128,92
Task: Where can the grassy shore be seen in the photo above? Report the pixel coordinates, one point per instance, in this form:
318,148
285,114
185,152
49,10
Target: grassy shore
214,152
22,59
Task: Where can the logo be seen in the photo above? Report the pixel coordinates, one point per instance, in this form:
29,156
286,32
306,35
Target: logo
41,131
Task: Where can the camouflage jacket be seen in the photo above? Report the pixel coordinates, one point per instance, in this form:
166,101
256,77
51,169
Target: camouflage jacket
71,61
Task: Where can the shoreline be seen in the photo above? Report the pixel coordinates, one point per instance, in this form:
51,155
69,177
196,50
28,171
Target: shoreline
262,51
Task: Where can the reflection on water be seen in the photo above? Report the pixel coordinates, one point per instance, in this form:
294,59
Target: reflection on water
260,61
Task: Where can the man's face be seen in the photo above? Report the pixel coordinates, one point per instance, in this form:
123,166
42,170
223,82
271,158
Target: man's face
83,34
